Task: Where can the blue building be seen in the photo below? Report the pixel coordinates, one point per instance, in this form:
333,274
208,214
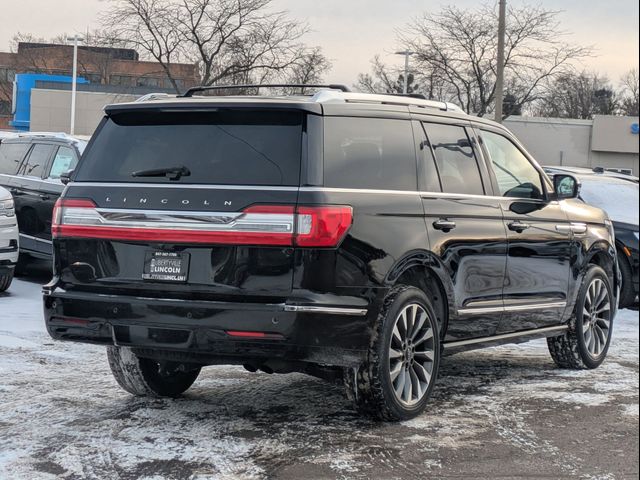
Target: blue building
24,82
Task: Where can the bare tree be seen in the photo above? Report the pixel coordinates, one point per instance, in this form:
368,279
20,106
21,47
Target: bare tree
385,79
577,95
630,104
459,46
309,68
382,79
229,40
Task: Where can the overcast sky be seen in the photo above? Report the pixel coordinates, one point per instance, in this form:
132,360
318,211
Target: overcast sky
351,32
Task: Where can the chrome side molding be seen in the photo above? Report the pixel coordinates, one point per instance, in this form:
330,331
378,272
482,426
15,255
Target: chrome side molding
511,308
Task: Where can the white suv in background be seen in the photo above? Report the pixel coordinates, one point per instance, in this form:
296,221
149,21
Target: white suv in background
8,239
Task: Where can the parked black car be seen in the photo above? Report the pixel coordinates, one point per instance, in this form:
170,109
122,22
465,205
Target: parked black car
30,168
617,194
350,236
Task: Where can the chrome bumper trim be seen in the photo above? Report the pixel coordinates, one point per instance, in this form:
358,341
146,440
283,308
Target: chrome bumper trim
326,310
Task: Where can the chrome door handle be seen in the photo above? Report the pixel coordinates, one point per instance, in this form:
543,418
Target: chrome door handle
518,226
444,225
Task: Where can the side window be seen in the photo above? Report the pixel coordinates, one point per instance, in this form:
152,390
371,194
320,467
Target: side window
64,161
371,153
456,162
34,165
11,154
515,175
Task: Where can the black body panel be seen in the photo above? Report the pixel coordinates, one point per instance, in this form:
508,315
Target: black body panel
320,304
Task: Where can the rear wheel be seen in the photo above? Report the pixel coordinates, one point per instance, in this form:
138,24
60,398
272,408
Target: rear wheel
6,277
627,292
396,381
586,343
146,377
21,266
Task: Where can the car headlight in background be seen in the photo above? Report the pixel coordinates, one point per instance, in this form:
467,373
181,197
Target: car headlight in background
7,208
637,235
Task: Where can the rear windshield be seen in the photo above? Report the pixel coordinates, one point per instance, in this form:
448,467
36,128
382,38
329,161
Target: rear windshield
224,147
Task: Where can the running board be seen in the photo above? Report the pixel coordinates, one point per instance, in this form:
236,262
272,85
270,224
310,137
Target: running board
515,337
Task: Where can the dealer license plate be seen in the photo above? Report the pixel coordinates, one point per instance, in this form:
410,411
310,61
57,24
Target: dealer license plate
166,266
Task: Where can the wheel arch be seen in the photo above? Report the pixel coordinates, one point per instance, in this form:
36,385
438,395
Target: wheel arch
424,270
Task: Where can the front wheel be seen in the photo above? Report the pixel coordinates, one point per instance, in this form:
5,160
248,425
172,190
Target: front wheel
6,278
586,343
146,377
402,364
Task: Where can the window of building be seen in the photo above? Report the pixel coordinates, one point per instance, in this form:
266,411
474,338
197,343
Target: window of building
455,159
516,176
7,74
372,153
123,80
5,107
148,82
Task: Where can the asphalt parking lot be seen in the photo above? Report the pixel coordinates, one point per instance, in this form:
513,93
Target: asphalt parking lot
504,412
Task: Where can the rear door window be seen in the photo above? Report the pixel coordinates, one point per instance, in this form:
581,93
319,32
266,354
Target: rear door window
217,147
36,161
369,153
455,159
11,155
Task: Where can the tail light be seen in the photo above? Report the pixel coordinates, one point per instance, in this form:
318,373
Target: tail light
277,225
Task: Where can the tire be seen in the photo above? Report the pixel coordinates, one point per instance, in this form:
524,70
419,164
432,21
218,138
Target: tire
21,266
627,292
586,343
5,280
143,377
396,380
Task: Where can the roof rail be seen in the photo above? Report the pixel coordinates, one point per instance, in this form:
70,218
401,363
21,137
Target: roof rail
151,96
44,134
326,96
331,86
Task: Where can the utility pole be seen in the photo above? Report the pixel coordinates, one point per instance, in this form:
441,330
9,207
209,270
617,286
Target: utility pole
75,39
406,54
500,69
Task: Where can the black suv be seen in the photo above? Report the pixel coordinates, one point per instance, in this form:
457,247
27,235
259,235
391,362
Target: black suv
349,236
31,165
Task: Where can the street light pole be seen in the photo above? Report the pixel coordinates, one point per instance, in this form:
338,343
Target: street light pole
406,53
75,40
500,68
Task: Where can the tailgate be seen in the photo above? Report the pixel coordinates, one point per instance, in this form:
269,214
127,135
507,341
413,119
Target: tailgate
222,225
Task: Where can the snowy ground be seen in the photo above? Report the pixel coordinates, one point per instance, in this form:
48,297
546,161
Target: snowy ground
504,412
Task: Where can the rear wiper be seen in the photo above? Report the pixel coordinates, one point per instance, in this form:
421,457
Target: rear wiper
174,173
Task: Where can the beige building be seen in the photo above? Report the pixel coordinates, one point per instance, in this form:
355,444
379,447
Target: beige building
605,141
51,109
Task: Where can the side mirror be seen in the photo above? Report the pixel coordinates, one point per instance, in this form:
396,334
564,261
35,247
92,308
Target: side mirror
566,186
66,177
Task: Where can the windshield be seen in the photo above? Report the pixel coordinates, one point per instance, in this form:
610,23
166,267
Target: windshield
216,147
619,198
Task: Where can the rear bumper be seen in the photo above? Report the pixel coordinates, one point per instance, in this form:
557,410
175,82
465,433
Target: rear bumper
213,331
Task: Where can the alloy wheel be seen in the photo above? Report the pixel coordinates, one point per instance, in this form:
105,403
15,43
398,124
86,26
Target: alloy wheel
411,354
596,317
